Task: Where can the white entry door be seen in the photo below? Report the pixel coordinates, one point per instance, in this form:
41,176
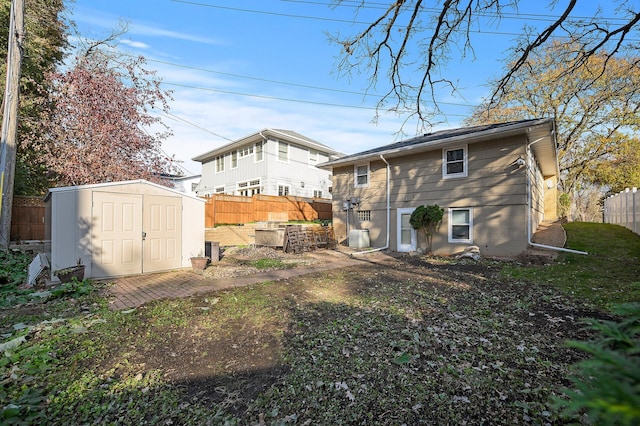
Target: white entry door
162,220
117,231
407,237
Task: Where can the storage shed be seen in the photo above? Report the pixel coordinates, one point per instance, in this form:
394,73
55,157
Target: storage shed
123,228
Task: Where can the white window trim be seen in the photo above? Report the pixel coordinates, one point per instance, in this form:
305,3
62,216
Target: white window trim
255,151
284,186
215,190
288,152
215,164
450,226
465,162
245,151
237,154
355,175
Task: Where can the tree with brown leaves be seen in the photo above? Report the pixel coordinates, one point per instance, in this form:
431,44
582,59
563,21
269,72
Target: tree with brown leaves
101,126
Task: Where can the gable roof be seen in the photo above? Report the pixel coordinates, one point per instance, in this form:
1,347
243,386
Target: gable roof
280,134
540,132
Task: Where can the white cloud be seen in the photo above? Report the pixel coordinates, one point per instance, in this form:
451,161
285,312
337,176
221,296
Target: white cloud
344,129
107,22
135,44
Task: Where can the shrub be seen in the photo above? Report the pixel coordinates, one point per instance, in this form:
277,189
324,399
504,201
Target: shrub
607,385
427,220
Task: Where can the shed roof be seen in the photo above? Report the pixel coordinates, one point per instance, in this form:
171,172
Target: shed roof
540,133
105,185
285,135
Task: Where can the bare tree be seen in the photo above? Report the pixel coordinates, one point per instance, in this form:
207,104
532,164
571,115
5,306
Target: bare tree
410,29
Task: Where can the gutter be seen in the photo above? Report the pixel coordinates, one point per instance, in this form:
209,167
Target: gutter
388,213
513,129
529,202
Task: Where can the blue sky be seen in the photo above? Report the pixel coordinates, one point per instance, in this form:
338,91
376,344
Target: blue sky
236,67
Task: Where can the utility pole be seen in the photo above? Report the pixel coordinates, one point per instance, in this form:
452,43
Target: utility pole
9,134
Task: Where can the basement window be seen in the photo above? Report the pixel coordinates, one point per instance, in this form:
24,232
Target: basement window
364,215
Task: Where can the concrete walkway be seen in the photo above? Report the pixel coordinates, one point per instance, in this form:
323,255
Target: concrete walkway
133,291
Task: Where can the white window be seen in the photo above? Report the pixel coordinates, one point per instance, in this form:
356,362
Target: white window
245,151
454,162
219,190
361,173
317,193
461,225
313,157
364,215
283,190
259,155
283,152
219,163
249,188
234,159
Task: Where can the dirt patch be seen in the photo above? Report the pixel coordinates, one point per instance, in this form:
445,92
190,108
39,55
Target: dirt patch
240,261
229,347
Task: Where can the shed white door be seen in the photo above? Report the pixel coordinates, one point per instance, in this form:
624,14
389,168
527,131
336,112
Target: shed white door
117,231
162,220
135,233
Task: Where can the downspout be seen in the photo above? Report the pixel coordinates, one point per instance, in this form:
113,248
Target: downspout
388,212
530,205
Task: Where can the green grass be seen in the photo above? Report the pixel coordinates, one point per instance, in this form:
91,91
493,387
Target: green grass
608,275
268,263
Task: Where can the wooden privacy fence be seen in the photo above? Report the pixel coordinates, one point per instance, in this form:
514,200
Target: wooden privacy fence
27,219
235,209
624,209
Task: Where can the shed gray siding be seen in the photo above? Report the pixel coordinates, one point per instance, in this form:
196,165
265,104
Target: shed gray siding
70,220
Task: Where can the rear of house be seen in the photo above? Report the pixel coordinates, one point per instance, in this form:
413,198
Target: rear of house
495,182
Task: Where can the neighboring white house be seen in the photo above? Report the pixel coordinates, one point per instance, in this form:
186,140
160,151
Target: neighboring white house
269,162
186,184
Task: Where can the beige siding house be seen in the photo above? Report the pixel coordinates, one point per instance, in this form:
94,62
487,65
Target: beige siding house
496,183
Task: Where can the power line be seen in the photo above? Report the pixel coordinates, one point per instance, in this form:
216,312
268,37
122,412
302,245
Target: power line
284,83
515,16
228,92
175,117
357,4
304,86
